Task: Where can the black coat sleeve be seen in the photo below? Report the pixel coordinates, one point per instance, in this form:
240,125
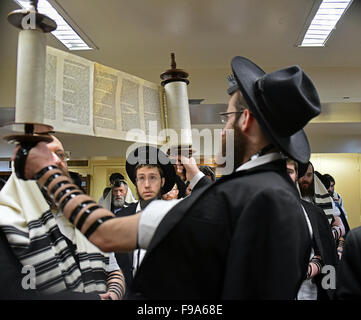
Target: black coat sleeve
270,249
202,183
348,285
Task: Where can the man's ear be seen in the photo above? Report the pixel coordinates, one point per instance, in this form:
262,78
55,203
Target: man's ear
163,182
245,121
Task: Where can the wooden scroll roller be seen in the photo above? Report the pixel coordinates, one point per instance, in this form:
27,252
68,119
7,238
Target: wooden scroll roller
30,81
178,116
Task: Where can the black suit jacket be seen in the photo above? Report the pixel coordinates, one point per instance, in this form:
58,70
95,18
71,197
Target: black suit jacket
242,237
131,209
125,259
203,182
325,243
349,274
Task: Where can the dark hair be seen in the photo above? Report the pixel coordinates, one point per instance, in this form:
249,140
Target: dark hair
239,105
303,167
115,175
294,163
149,166
326,182
181,187
119,183
208,171
313,168
329,177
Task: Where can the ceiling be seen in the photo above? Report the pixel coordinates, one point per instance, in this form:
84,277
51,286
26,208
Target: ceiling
137,36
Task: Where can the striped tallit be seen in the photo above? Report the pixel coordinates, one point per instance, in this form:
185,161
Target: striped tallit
33,234
323,200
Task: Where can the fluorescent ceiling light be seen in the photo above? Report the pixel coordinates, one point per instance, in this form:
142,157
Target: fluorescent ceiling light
324,22
64,32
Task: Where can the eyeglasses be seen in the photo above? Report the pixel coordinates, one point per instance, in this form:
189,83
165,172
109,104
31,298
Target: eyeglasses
225,115
63,155
151,179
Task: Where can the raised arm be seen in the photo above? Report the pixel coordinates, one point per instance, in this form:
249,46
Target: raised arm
99,225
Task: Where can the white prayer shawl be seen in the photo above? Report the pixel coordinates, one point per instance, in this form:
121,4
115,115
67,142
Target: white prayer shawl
337,198
107,201
33,234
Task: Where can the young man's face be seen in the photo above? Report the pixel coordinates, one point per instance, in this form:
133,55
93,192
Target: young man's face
149,183
292,171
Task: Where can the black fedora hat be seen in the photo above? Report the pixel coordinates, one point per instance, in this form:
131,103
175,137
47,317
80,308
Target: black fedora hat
153,156
283,102
302,168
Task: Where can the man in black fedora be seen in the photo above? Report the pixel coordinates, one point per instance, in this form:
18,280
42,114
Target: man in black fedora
244,236
153,175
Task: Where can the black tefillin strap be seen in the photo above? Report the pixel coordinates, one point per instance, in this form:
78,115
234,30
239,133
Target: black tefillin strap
95,225
20,159
68,194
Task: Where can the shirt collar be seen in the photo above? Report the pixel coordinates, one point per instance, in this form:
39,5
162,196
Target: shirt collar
269,157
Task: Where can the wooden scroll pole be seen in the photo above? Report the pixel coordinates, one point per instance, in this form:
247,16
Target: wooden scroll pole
30,77
178,116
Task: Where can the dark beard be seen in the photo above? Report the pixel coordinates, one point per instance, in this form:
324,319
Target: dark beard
307,191
144,203
239,147
237,153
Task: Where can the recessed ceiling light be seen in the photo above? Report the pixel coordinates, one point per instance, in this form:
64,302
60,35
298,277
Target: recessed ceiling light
324,22
65,33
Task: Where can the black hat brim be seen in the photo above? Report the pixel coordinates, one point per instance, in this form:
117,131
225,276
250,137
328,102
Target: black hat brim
164,163
247,74
302,169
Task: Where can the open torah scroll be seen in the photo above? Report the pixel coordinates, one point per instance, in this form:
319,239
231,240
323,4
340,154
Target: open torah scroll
84,97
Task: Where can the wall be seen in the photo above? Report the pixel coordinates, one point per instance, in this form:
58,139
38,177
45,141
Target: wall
99,171
345,169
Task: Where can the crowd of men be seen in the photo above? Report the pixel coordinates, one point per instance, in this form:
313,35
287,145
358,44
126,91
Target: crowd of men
272,229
